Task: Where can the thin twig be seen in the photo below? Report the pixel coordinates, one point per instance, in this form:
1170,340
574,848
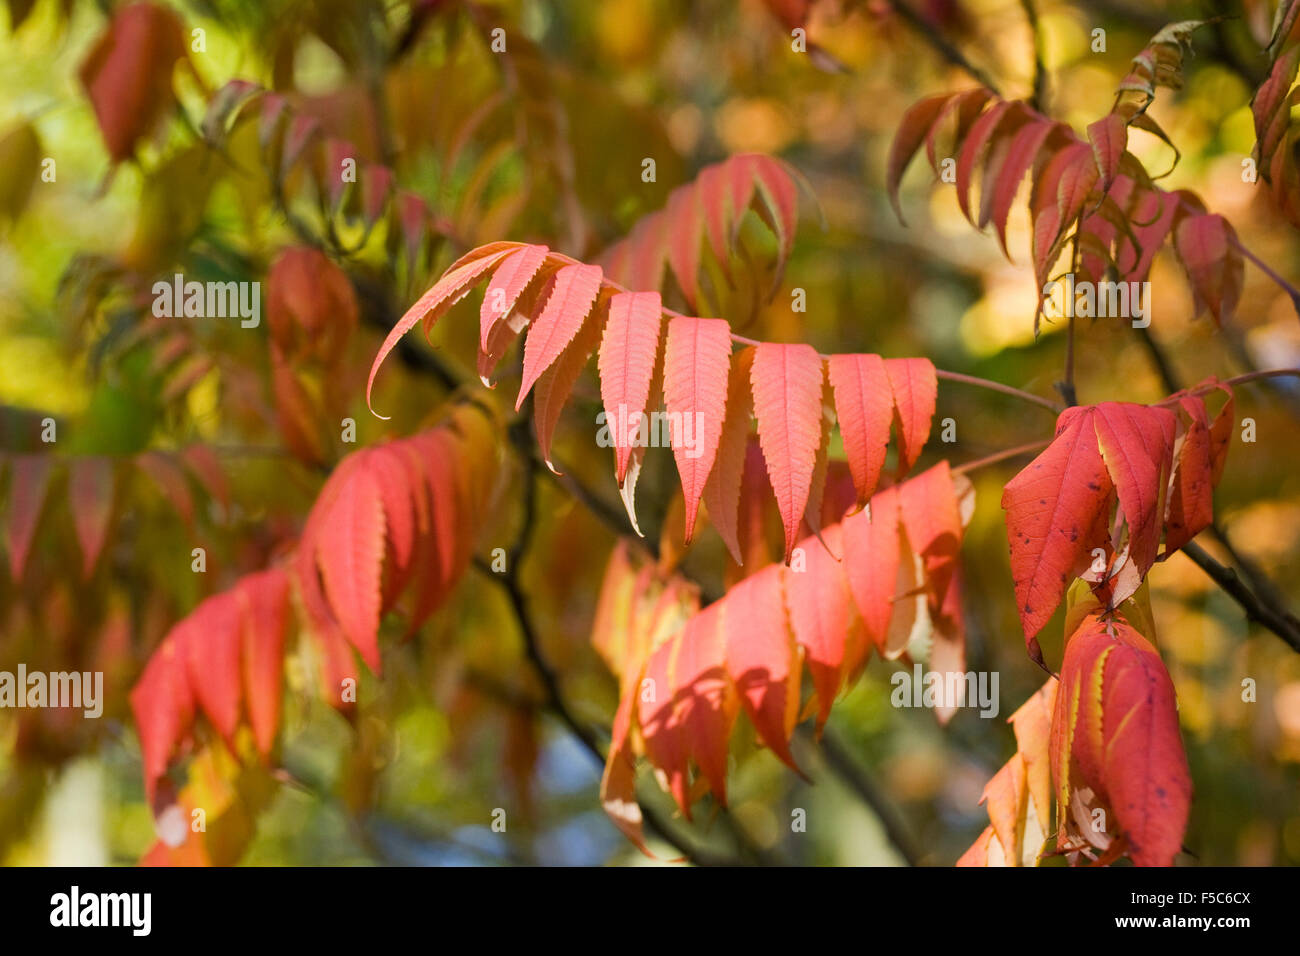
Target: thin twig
841,761
1281,623
1026,449
1264,604
942,46
1038,99
939,373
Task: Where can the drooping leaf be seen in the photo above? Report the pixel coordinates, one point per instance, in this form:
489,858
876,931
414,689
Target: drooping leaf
1051,508
628,352
762,658
864,406
128,74
1206,246
1116,733
915,388
571,299
697,357
90,495
29,481
787,388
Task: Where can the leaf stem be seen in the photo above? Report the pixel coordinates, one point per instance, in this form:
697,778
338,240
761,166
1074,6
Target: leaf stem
945,49
1232,382
996,457
939,373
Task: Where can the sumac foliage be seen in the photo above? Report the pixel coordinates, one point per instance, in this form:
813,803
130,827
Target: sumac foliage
393,629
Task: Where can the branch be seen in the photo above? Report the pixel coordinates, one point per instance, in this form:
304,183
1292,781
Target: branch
942,46
1038,100
554,696
1264,604
1282,623
1026,449
841,761
939,373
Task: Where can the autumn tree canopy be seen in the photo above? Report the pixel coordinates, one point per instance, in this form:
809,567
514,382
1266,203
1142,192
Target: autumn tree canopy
876,442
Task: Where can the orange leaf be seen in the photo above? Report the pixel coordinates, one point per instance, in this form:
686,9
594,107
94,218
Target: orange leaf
787,383
722,490
628,352
571,299
697,355
915,390
822,617
506,285
872,554
762,658
864,405
1052,507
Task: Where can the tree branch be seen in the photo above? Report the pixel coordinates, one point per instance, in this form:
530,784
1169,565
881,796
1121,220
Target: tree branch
1038,99
942,46
853,775
1280,622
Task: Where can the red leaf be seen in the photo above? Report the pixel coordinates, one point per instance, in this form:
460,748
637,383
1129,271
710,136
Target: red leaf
714,196
349,552
1136,442
628,352
128,74
665,741
556,383
1116,731
1109,139
704,701
506,285
778,190
163,705
1051,509
915,390
1002,179
1206,246
28,484
266,613
822,617
685,228
864,405
1191,493
210,637
912,130
872,554
982,132
787,383
722,490
90,494
446,292
762,658
697,355
571,299
929,511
